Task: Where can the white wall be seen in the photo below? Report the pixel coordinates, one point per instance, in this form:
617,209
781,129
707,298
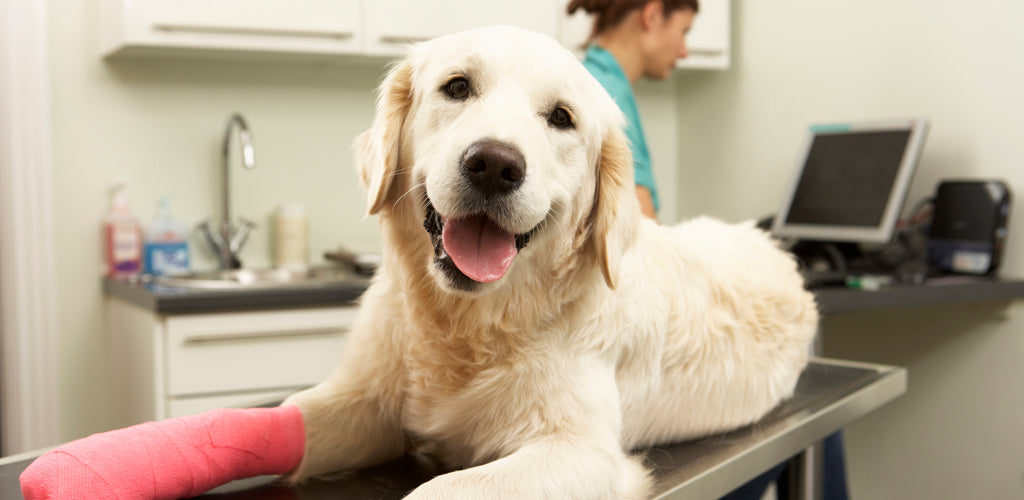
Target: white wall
958,431
657,101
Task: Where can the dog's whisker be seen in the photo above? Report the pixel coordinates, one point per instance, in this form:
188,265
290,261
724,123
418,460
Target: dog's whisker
409,191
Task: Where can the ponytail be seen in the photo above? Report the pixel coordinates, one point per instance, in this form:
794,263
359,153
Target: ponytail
609,13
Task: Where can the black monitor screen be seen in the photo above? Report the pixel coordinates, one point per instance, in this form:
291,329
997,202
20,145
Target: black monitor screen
847,178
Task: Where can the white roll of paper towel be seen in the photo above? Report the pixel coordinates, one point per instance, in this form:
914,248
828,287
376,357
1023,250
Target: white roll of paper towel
291,236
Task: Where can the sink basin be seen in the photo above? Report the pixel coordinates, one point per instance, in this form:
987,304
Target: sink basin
259,278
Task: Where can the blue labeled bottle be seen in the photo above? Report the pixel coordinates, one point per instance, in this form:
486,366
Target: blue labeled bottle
166,249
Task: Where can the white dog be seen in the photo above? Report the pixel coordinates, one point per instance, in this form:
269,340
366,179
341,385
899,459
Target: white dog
527,325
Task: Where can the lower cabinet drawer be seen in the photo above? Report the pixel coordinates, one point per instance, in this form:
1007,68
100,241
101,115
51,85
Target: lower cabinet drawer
253,351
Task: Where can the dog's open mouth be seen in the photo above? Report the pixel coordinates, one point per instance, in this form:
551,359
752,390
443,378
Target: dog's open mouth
474,246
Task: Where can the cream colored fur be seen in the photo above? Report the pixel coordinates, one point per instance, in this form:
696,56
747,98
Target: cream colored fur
608,333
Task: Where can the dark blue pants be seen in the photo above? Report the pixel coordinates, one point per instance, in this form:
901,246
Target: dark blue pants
834,480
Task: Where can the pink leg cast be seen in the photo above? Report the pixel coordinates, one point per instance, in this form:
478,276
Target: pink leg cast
176,458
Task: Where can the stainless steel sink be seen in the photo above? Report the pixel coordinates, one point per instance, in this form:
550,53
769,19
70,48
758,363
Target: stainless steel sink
249,279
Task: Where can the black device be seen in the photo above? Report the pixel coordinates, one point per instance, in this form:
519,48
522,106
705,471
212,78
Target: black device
968,227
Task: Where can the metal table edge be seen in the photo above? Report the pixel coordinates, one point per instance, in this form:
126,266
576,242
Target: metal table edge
733,472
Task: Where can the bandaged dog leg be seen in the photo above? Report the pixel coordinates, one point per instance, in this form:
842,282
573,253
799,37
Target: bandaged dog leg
177,458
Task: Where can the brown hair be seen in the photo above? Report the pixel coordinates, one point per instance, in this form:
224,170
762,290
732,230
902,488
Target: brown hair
609,13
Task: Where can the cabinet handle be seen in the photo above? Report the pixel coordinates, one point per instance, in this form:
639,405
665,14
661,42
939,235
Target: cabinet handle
403,39
706,52
241,30
298,332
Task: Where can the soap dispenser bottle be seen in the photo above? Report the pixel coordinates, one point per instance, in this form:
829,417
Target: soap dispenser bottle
166,248
123,236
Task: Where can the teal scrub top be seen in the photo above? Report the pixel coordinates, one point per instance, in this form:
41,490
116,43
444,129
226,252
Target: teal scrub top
602,64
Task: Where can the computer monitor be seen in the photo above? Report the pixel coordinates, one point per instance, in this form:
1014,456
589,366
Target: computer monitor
850,182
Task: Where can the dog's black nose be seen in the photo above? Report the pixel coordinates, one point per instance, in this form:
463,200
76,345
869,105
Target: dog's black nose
493,167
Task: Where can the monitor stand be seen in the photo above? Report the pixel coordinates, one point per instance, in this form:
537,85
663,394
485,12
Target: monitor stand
824,262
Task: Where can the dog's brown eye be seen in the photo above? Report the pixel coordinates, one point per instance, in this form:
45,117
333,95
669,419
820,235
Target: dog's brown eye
457,88
561,118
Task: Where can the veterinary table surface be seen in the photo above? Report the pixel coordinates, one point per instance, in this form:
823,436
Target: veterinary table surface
829,395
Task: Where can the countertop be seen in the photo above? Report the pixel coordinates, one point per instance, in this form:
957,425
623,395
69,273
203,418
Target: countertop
940,290
831,300
176,300
829,395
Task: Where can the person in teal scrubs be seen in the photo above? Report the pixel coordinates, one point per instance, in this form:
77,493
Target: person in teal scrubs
633,39
644,38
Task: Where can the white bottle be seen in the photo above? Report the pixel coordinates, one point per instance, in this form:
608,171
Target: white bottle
291,236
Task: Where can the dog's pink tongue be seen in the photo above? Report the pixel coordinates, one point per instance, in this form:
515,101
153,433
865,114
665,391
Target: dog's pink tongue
479,248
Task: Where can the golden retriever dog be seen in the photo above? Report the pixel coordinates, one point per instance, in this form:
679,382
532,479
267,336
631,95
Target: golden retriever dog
527,326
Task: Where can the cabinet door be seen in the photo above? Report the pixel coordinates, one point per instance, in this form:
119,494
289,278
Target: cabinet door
312,26
393,24
574,30
708,40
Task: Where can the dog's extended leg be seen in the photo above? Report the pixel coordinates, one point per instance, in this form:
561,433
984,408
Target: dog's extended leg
352,418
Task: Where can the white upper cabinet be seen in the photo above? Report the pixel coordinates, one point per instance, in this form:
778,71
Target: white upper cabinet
707,41
325,29
392,24
309,27
574,30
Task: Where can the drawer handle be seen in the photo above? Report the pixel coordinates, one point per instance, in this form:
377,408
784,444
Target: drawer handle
299,332
241,30
706,52
403,39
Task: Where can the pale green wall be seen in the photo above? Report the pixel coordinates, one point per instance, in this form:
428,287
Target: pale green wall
158,124
958,432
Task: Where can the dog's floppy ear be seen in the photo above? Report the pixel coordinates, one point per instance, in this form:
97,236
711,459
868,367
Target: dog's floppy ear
616,211
377,148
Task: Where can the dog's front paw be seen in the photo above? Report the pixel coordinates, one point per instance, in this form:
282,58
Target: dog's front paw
435,489
431,490
464,485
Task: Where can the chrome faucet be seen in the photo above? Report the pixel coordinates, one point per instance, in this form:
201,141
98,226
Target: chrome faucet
228,241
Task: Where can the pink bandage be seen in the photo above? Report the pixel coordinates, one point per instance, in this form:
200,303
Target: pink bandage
176,458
